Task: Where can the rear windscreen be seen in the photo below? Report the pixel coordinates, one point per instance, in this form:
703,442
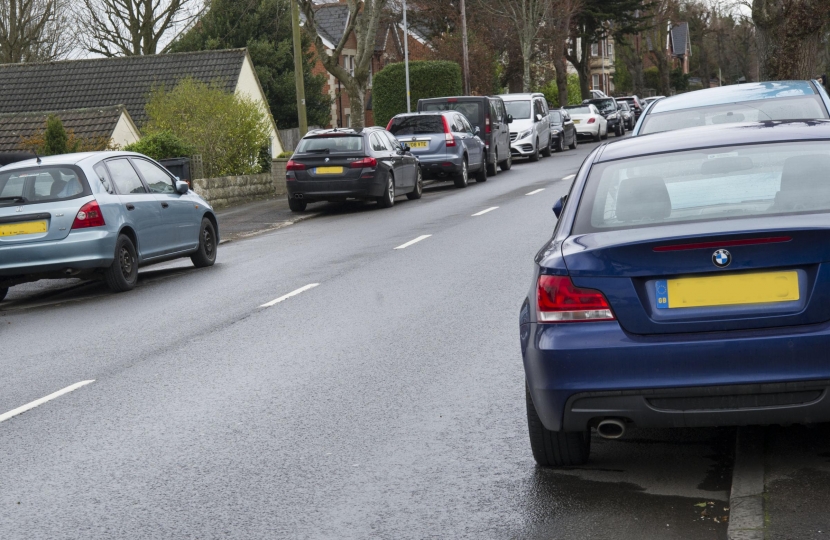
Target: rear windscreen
42,184
794,108
470,109
331,144
706,185
417,125
579,110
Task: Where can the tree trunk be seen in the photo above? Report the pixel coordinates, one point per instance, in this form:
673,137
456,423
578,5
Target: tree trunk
582,64
356,100
789,37
526,54
561,77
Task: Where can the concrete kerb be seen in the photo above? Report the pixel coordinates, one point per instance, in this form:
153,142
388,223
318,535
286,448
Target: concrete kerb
746,501
276,227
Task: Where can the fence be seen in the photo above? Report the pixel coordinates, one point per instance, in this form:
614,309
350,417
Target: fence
290,138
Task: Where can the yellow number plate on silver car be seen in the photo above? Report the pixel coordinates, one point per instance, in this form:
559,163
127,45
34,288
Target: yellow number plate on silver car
25,227
418,144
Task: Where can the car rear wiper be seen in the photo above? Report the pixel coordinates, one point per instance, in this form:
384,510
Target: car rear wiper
13,199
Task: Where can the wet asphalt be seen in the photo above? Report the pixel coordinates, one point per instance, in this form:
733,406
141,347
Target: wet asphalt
387,402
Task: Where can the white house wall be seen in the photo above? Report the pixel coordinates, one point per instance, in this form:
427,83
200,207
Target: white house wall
125,131
248,86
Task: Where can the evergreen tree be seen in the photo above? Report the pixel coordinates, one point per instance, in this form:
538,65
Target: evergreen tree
55,138
264,27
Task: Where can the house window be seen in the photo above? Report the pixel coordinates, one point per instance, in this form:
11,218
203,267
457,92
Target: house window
610,49
594,49
595,81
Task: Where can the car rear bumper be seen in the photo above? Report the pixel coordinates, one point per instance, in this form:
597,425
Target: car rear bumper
358,188
581,373
80,250
440,165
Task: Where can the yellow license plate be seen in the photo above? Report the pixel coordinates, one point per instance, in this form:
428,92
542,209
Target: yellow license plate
577,121
728,290
418,144
329,170
25,227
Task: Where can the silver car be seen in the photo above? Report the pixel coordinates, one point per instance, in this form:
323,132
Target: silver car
530,133
98,215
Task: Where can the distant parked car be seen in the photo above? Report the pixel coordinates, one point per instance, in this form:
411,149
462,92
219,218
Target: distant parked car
445,143
589,121
597,94
487,113
562,130
636,104
749,102
626,114
98,215
608,108
530,131
340,164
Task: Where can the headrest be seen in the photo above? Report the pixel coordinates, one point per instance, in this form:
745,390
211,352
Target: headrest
643,198
810,172
57,187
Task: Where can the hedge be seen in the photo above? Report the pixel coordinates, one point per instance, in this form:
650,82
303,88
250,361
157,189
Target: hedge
427,79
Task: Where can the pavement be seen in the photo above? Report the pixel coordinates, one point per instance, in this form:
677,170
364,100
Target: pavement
317,382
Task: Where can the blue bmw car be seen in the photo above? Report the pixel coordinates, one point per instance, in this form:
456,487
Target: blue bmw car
98,215
687,283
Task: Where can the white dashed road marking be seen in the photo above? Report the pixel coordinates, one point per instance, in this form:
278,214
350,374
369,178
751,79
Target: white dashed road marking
289,295
535,191
485,211
41,401
569,177
422,237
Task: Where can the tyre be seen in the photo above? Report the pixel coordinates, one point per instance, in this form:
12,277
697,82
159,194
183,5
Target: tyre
206,254
418,190
3,292
620,131
507,163
560,144
548,150
493,168
387,200
122,274
597,136
604,137
555,448
462,179
481,173
574,144
296,205
535,155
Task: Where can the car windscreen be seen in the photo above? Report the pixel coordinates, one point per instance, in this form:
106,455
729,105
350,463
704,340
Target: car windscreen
331,144
41,184
605,106
417,125
520,110
791,108
706,185
470,109
556,117
579,110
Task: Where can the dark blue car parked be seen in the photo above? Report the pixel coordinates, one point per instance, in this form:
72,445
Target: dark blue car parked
687,283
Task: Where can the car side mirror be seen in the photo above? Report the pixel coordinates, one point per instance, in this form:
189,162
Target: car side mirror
560,204
477,130
509,118
406,147
538,117
181,187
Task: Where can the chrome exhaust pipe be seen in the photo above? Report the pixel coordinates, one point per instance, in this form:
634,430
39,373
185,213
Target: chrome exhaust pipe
611,428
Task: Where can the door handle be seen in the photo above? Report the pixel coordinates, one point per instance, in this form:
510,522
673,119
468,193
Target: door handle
130,207
164,205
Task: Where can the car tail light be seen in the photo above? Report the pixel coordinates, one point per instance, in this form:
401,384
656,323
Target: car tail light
294,166
389,125
89,216
448,138
559,300
487,124
592,120
365,163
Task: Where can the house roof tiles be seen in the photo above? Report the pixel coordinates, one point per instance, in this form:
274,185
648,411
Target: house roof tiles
90,123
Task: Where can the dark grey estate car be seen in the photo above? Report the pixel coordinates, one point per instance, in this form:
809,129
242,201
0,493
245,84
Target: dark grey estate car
340,164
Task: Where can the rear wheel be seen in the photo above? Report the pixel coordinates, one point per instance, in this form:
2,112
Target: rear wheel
507,163
574,144
418,190
122,274
606,133
462,179
493,168
388,198
597,137
296,205
206,254
481,173
535,155
555,448
3,292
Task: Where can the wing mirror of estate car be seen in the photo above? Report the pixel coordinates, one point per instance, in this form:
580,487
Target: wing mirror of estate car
560,204
181,187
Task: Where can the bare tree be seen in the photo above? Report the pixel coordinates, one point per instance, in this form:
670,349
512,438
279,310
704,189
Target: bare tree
789,34
528,18
661,14
557,29
131,27
32,30
362,26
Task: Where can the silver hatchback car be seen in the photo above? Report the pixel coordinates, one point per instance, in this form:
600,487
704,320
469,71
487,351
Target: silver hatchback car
98,215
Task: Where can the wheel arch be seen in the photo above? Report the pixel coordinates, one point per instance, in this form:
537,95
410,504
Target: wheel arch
129,232
212,217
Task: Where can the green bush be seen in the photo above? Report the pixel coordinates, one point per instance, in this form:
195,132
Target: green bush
227,130
551,91
285,154
427,79
651,77
161,145
679,80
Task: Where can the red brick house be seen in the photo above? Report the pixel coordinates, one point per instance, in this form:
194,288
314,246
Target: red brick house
332,20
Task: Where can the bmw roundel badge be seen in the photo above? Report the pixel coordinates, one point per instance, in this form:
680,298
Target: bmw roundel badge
721,258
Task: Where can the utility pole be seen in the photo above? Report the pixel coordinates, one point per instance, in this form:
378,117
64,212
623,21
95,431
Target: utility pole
466,62
298,68
406,56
